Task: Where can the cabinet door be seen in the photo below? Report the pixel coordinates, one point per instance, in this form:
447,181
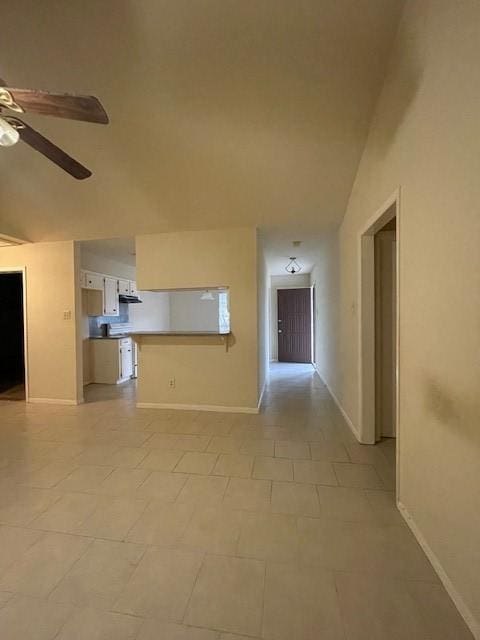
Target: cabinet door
110,304
124,287
133,288
93,281
126,361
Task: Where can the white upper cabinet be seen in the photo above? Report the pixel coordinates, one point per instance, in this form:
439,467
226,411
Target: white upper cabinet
124,287
110,299
93,280
133,288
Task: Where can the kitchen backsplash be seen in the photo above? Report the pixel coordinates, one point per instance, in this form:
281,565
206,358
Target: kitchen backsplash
95,322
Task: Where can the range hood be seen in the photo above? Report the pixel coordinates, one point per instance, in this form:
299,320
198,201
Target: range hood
128,299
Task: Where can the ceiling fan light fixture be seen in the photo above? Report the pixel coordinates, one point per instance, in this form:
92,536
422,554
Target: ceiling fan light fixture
8,134
293,266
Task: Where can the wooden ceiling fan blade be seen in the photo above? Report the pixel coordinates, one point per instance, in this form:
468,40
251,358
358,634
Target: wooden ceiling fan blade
49,150
60,105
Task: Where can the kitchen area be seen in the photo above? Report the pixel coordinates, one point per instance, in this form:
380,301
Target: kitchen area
116,315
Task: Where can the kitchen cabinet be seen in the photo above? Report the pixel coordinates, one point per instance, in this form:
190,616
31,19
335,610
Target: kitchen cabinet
110,297
104,301
93,280
124,287
111,360
133,288
126,358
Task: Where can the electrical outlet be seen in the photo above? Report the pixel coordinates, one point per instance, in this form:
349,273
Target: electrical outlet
171,383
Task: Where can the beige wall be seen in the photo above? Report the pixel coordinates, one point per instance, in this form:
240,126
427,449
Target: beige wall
263,316
51,340
281,282
425,137
204,371
325,278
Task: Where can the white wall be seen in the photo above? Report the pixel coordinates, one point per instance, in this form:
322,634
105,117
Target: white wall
153,314
425,138
287,281
188,312
101,264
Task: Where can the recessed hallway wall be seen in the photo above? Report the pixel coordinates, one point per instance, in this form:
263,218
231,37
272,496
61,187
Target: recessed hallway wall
425,139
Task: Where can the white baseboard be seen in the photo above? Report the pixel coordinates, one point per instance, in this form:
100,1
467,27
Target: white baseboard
353,428
51,401
195,407
261,397
471,622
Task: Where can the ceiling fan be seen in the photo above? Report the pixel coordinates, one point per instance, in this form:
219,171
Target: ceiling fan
61,105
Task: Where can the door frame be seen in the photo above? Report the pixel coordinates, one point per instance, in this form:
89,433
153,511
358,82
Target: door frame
313,294
366,320
23,271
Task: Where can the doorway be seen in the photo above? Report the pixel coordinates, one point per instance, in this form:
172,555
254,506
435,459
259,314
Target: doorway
294,325
378,322
12,362
385,249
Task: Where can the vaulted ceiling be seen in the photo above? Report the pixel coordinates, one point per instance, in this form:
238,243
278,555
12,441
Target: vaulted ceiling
223,112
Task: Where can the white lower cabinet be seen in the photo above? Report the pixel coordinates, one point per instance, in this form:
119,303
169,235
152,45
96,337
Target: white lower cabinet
111,360
126,358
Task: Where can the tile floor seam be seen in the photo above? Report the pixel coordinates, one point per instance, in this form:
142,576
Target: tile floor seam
87,548
204,555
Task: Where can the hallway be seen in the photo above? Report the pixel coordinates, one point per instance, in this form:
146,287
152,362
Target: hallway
127,524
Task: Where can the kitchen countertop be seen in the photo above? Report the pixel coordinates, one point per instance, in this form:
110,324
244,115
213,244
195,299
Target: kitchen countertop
178,333
119,337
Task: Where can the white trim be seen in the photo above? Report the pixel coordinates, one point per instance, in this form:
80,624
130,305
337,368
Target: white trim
195,407
463,609
23,271
348,420
52,401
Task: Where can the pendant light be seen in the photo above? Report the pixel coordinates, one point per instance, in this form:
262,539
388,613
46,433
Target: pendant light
293,266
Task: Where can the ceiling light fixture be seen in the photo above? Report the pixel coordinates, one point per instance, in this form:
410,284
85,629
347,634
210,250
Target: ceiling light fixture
293,266
8,134
207,295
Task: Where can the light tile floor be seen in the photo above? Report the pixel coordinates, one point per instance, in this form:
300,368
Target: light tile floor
126,524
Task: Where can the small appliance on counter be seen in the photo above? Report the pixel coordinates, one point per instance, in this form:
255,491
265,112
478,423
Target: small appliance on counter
119,329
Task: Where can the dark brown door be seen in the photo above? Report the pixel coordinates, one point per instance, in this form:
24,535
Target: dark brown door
294,325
